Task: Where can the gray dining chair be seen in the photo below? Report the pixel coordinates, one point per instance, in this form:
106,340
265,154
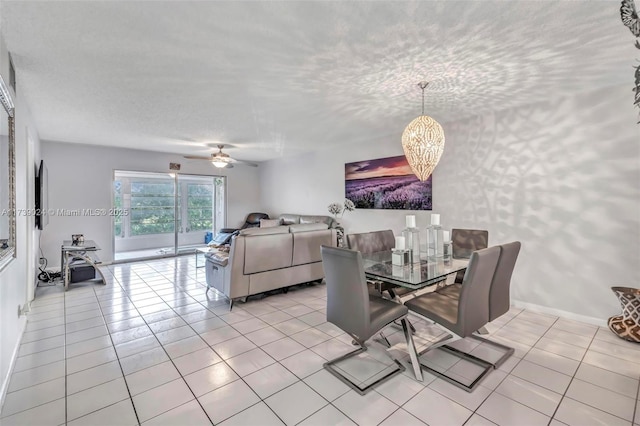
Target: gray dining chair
360,315
464,315
372,242
466,241
499,293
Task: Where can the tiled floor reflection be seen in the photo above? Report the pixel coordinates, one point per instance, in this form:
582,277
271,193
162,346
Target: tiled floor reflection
152,347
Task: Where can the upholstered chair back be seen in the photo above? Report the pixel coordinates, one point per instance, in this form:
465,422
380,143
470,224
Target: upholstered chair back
466,241
473,309
500,295
371,242
347,294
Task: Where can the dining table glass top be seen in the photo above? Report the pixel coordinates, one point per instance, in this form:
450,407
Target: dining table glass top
378,266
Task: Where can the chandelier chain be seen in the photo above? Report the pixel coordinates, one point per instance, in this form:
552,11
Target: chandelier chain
423,85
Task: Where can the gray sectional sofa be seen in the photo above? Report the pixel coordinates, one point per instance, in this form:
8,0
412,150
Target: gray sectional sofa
264,259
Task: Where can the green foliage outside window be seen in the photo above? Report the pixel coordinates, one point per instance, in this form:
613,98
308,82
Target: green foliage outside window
152,208
200,206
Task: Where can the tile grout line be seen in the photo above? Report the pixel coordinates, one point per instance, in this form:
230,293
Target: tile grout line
113,345
190,287
436,378
509,373
635,407
225,361
564,394
275,362
168,356
135,412
134,354
64,317
329,403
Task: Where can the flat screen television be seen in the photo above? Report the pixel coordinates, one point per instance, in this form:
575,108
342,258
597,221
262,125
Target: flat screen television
42,196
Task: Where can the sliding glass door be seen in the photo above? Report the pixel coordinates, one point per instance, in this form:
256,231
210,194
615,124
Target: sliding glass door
166,214
200,209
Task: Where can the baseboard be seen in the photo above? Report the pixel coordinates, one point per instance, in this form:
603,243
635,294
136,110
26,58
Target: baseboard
559,313
14,356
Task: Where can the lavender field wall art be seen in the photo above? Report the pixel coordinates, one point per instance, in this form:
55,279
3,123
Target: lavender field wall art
386,183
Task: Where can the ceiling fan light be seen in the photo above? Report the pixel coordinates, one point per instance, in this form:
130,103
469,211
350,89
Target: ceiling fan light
423,144
219,164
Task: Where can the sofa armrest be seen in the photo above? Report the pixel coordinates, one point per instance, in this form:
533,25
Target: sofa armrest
221,259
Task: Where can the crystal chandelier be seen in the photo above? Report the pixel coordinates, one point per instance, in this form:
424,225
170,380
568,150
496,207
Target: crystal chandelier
423,142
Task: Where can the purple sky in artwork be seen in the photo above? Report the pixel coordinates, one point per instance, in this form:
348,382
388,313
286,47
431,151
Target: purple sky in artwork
390,166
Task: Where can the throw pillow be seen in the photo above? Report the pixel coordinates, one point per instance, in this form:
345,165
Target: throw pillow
308,227
269,223
315,219
265,231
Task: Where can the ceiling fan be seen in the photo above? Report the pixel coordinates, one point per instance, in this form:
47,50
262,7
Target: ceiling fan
221,160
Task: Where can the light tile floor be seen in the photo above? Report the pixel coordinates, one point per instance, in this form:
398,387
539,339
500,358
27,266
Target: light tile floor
152,347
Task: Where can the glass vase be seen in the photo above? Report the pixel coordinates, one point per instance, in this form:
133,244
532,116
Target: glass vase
411,236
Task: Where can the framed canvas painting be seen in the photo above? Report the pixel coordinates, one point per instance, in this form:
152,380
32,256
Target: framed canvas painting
386,183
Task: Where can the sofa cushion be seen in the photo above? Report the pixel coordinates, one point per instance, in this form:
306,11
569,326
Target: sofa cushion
316,219
289,219
265,231
267,252
308,227
269,223
306,245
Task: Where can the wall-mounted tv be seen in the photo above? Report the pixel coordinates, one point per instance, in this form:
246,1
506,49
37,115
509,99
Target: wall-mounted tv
42,196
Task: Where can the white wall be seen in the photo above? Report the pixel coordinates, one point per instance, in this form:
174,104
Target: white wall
563,177
81,176
17,279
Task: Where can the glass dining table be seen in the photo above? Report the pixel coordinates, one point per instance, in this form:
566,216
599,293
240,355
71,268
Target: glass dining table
378,266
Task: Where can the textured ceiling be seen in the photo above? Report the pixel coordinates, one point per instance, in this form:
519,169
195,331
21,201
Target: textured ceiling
279,78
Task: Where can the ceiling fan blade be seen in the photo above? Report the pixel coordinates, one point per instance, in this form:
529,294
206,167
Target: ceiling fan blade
196,157
246,163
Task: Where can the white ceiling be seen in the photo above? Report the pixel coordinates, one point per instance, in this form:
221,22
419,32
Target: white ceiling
279,78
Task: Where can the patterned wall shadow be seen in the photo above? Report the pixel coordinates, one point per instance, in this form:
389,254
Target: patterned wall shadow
561,176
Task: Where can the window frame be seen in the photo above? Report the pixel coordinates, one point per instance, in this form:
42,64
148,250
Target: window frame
182,206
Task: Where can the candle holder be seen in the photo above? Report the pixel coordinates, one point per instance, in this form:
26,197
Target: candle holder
399,257
435,239
411,236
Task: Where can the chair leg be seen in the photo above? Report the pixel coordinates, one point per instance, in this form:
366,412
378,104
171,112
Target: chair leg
384,339
442,343
362,391
508,350
487,368
411,348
